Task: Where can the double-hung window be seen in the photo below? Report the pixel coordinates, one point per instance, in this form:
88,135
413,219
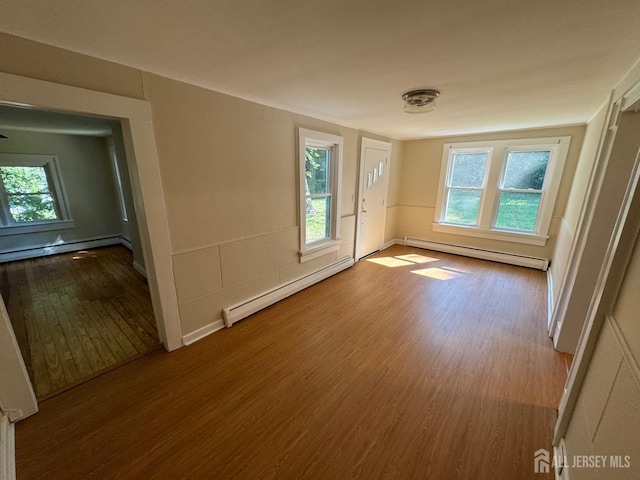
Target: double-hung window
31,197
504,190
465,185
320,157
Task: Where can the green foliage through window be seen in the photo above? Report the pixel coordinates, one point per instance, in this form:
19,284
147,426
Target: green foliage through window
317,192
28,193
526,170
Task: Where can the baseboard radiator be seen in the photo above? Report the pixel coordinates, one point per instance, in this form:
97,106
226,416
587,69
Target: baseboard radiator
252,305
42,250
519,260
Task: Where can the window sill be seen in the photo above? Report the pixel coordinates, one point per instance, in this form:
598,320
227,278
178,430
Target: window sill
503,235
320,250
35,227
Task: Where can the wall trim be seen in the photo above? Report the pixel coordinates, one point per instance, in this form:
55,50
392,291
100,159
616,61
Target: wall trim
559,452
47,249
511,259
144,171
627,353
126,243
7,449
550,304
395,241
140,269
256,303
200,333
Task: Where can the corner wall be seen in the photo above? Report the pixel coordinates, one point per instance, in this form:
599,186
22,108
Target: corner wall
421,174
229,171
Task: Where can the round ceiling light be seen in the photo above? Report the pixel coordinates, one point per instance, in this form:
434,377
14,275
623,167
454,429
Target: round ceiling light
420,101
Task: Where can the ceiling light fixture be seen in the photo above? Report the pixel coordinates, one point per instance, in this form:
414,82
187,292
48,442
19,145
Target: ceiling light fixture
420,101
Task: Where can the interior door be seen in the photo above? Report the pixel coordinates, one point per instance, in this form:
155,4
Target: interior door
375,159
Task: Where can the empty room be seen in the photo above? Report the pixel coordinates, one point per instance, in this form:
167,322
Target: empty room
229,249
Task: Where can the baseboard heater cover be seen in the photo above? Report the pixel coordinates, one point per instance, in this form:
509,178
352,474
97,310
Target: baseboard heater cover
35,251
519,260
252,305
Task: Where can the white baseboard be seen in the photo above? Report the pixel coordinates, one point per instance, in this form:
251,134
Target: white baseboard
550,304
126,242
521,261
7,449
395,241
559,453
35,251
203,332
140,269
250,306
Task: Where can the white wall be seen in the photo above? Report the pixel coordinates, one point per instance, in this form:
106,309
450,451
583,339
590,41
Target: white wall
87,178
607,414
600,409
575,201
600,226
129,228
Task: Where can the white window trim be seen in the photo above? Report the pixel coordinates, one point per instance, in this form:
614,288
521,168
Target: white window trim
496,164
312,138
115,167
60,197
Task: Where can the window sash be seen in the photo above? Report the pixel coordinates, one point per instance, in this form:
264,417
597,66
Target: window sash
48,164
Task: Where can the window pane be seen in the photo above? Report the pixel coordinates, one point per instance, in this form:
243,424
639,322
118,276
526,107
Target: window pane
468,170
526,170
29,208
28,193
317,170
318,219
518,210
462,207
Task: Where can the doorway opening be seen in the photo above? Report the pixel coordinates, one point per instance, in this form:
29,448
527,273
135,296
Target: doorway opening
72,270
134,116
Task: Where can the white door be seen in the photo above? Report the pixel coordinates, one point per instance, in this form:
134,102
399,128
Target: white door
375,160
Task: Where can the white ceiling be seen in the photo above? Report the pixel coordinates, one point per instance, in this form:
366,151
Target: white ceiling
500,64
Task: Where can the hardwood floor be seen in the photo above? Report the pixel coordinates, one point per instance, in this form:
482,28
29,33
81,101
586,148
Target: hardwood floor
409,368
77,314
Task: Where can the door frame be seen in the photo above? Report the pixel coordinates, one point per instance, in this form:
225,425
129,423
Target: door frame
614,265
144,170
381,145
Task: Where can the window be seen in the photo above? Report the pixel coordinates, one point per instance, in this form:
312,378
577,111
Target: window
465,185
30,195
504,190
320,157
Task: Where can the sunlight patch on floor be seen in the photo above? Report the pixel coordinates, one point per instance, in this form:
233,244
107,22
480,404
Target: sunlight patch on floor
402,260
437,273
390,262
417,258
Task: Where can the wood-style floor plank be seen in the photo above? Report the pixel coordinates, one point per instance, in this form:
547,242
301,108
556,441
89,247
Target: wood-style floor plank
439,367
57,307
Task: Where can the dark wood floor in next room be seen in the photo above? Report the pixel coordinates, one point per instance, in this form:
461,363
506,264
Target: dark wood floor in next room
410,365
77,314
